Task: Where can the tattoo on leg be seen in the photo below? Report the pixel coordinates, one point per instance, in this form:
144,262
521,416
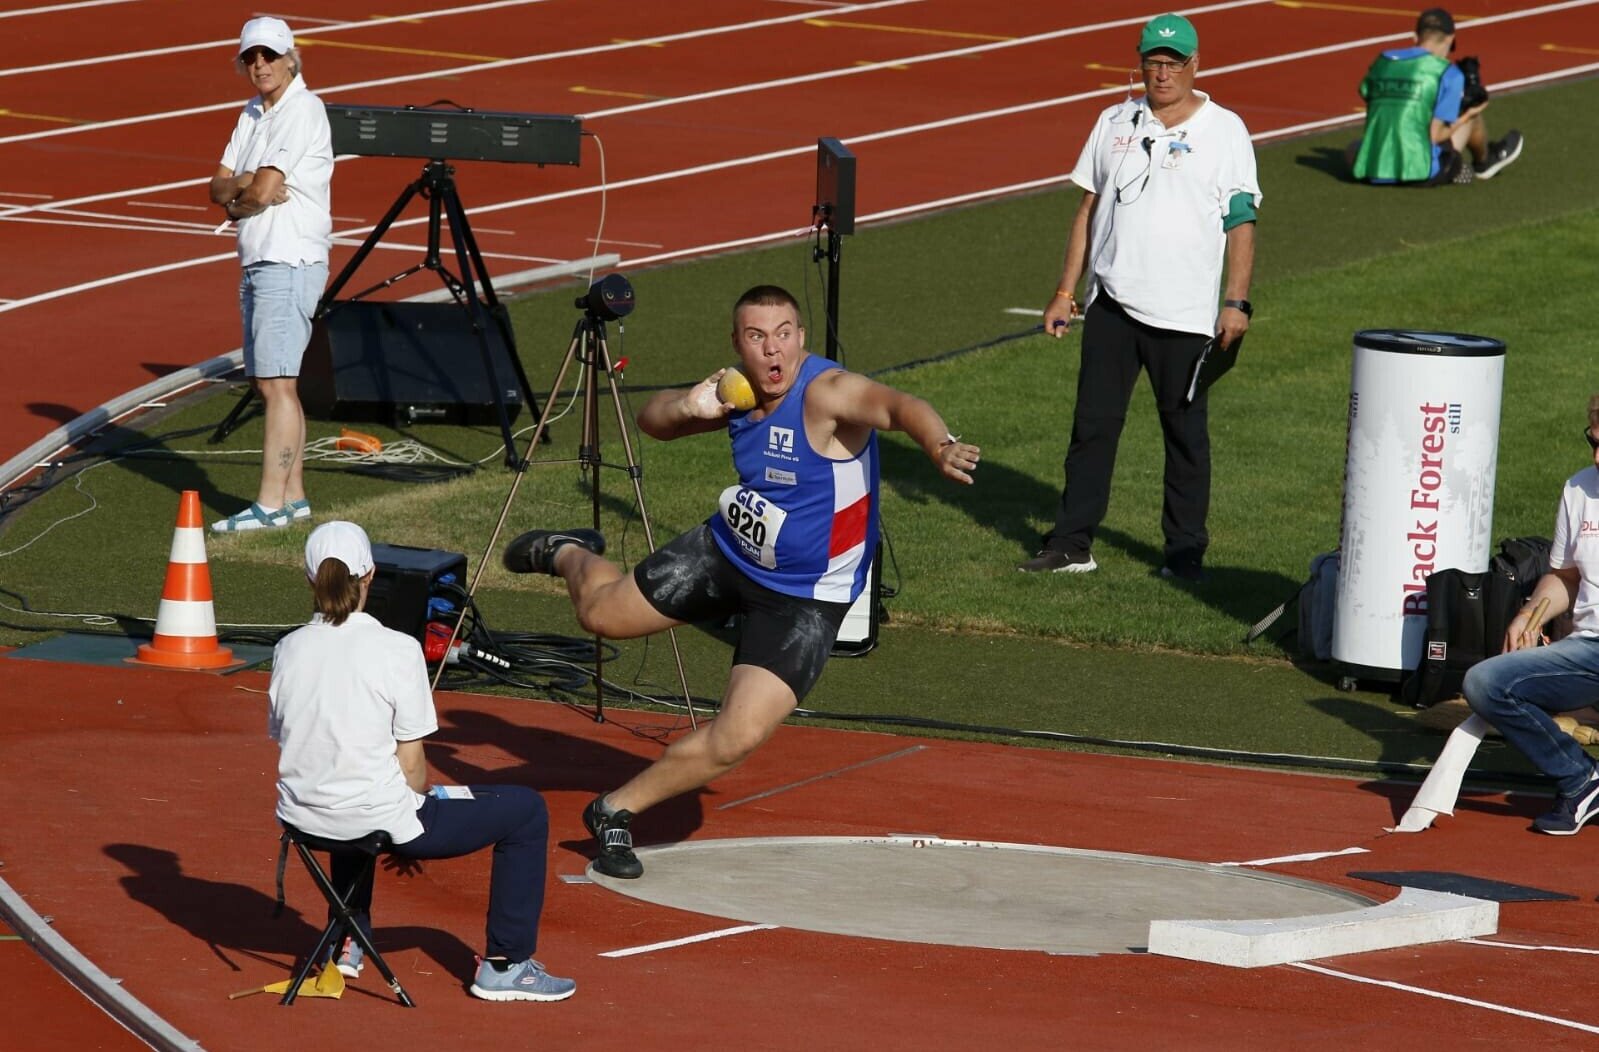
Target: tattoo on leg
286,457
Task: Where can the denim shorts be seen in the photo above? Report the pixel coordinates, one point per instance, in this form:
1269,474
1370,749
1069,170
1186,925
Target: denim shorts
276,302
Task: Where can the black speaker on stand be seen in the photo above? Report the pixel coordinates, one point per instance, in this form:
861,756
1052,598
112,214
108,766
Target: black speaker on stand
400,363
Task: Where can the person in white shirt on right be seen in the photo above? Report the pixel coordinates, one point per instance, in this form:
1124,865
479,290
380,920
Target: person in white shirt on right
1521,689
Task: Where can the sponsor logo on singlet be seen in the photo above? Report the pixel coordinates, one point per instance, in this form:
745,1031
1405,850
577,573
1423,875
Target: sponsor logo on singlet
780,443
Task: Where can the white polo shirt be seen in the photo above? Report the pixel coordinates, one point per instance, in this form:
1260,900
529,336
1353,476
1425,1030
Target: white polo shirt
1156,242
1576,544
293,137
342,696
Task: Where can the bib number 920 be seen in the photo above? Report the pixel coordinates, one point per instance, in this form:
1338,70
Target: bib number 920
755,522
746,515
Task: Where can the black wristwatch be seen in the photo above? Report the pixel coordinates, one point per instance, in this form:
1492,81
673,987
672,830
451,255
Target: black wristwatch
1241,305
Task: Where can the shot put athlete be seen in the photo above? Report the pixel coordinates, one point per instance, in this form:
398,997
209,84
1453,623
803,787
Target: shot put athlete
789,548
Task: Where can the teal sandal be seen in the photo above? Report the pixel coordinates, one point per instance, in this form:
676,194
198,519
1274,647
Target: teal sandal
254,517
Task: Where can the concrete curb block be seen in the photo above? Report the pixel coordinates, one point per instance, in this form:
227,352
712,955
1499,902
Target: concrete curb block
75,431
1414,917
93,983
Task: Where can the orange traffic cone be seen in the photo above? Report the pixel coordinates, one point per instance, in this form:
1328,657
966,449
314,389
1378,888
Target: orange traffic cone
186,624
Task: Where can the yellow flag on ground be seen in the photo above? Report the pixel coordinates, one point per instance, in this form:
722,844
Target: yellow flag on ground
329,984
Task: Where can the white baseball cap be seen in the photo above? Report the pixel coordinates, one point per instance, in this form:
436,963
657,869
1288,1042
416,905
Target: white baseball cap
344,541
270,33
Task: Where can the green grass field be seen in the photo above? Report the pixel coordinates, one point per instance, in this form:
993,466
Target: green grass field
1115,654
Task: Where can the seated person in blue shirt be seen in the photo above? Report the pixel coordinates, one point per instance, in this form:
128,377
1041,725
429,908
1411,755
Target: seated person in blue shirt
1424,112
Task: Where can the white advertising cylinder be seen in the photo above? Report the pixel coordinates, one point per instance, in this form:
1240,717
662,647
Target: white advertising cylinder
1418,486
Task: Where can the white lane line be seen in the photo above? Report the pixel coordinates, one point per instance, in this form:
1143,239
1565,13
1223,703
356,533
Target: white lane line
140,225
721,933
172,207
300,32
1456,998
53,8
743,242
912,60
89,199
823,776
455,72
1522,946
34,197
1309,856
1059,100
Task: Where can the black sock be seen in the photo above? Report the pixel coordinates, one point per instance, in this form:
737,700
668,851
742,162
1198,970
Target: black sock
500,964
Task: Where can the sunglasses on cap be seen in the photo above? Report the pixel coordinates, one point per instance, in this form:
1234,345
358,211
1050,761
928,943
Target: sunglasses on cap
248,58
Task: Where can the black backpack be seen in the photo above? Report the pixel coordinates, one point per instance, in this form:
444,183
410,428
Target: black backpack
1468,615
1522,560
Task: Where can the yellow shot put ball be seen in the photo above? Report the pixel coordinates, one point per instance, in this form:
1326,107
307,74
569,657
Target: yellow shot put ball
735,387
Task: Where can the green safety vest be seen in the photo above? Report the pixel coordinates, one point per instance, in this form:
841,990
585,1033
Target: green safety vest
1400,95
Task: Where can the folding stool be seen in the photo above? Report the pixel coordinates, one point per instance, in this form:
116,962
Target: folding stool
370,846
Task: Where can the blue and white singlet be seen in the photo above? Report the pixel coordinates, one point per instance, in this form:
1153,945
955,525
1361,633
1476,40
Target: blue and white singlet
798,522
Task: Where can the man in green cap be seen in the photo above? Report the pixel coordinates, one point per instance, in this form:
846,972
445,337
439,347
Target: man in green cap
1424,113
1169,194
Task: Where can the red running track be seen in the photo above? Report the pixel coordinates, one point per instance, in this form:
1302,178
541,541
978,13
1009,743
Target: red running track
140,818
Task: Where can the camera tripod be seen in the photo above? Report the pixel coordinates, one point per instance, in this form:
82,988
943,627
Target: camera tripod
610,298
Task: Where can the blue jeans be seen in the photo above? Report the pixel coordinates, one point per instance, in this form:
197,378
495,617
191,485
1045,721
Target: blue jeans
1516,692
511,817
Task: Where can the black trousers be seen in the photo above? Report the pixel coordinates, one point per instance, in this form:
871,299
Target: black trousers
1115,348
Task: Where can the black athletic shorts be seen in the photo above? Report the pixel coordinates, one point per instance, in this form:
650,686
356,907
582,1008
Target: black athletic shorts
690,580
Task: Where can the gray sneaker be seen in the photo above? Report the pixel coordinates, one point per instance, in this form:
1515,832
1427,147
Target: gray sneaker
351,959
527,981
1048,560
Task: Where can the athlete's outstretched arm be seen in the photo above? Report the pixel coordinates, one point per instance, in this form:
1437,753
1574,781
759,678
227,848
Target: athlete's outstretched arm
851,400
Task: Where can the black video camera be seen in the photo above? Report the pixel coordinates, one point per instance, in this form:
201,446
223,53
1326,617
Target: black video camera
1474,94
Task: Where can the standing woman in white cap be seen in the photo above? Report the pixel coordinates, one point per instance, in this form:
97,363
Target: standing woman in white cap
274,183
350,705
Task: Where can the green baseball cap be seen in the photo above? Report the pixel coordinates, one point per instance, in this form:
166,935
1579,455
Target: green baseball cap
1172,33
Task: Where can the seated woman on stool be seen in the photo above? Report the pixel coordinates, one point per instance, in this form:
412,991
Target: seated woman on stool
350,705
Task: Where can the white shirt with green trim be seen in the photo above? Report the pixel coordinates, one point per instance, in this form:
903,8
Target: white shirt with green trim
1156,243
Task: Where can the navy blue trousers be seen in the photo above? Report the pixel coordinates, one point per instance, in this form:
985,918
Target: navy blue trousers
515,820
